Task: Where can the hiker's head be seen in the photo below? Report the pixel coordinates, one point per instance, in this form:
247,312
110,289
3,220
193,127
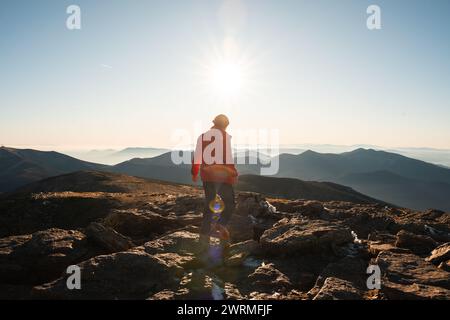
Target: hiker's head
221,121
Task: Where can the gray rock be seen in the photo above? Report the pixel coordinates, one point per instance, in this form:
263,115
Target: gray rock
124,275
338,289
418,244
296,236
42,256
440,254
108,238
410,269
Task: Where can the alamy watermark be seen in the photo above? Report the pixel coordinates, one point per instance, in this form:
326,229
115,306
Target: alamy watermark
73,21
249,146
374,20
374,280
73,281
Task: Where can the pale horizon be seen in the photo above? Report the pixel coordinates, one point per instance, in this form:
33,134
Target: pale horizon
304,146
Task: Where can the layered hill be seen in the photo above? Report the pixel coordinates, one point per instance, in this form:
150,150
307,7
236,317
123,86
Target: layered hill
22,166
381,175
160,167
321,166
387,176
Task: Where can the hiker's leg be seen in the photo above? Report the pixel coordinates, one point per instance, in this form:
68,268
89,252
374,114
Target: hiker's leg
226,192
210,194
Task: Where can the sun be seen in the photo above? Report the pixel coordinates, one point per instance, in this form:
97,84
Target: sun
226,78
227,71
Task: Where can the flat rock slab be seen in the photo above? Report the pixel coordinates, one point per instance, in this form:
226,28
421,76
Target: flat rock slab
179,242
124,275
411,269
297,236
41,256
338,289
440,254
416,291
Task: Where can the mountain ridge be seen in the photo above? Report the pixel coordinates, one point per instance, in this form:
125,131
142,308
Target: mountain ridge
359,169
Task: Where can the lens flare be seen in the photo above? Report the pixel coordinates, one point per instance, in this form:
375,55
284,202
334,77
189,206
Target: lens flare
217,206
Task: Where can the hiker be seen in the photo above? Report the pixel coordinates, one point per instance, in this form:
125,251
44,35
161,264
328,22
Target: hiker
214,159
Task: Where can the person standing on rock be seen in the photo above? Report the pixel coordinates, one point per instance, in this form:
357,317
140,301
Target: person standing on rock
213,158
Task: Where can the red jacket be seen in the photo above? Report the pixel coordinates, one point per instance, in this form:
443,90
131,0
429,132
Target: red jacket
213,157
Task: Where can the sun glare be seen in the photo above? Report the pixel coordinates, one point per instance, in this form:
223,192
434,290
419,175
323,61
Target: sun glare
227,73
226,78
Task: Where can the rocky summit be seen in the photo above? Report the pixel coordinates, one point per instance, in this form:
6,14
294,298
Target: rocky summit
137,239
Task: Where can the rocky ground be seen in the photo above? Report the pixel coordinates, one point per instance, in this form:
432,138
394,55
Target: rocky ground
141,243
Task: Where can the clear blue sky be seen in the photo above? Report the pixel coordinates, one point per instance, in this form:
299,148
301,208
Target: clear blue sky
138,70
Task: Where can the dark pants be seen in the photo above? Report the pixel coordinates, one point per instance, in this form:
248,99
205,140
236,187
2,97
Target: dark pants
226,192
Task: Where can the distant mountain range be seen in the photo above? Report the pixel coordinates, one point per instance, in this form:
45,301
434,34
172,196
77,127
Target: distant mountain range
431,155
160,168
112,157
21,166
317,166
381,175
402,191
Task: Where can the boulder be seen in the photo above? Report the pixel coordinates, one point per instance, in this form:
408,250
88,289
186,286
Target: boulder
181,242
184,204
382,237
291,236
311,208
42,256
440,254
338,289
349,269
409,269
145,224
378,242
29,213
418,244
248,203
125,275
253,215
240,251
415,291
375,247
108,238
269,279
240,228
